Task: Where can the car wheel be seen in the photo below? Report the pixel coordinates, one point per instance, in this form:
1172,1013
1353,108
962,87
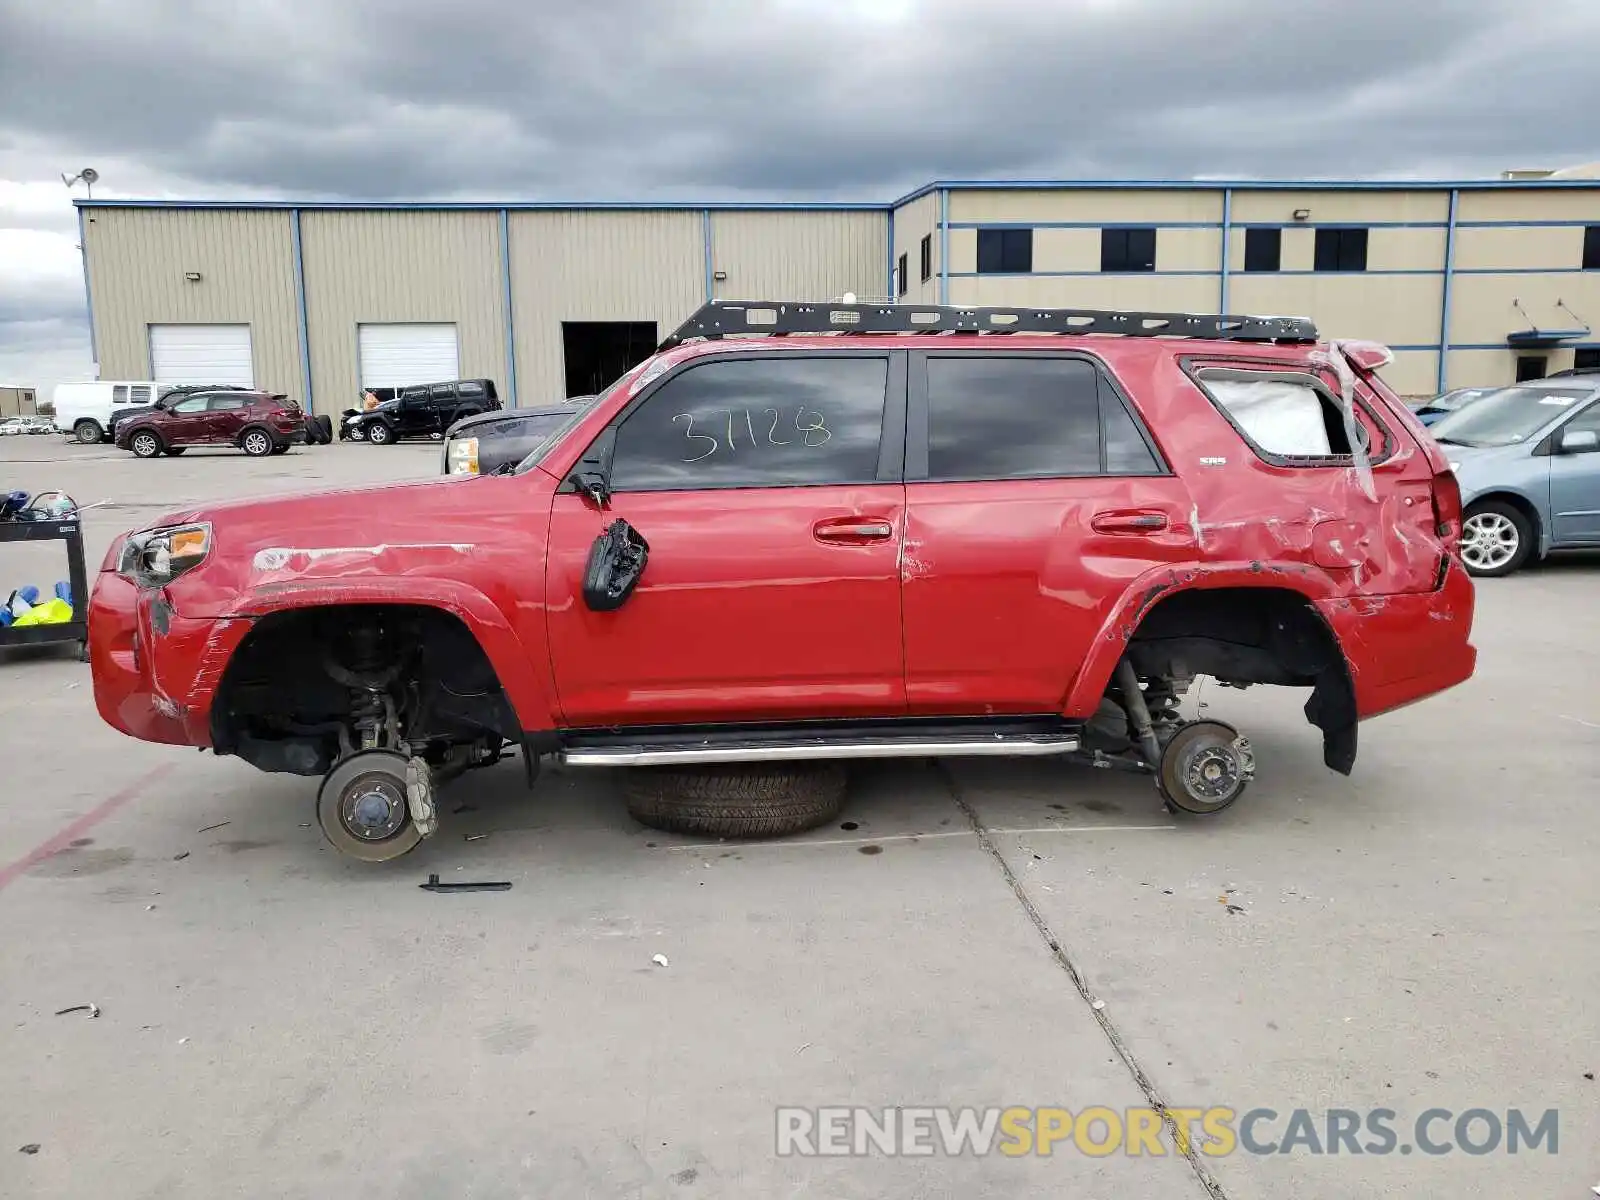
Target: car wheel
174,451
145,444
88,432
380,434
362,807
257,443
737,801
1496,539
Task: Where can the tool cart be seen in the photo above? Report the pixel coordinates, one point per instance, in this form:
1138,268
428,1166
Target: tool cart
61,526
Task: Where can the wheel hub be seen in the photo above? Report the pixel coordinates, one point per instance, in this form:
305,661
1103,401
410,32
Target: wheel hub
373,809
1213,772
1488,540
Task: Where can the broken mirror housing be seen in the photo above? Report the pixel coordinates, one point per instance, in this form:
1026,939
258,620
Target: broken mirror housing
156,557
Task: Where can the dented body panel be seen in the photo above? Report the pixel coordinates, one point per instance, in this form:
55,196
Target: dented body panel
791,603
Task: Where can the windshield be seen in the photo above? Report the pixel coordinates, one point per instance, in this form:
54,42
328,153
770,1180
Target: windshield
1507,417
554,436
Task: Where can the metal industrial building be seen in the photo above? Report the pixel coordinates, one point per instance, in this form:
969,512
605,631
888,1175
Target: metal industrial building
1470,283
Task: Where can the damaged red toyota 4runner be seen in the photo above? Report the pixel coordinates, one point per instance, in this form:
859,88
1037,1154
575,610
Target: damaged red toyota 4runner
802,534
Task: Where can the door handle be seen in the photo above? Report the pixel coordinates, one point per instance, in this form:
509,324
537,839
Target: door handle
853,531
1129,521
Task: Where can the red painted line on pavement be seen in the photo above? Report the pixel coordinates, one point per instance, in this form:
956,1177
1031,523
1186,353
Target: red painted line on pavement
82,825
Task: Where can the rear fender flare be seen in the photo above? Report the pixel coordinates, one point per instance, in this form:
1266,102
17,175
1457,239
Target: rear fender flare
513,664
1110,643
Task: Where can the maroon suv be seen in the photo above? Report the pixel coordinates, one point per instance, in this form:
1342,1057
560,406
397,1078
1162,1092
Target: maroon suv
259,423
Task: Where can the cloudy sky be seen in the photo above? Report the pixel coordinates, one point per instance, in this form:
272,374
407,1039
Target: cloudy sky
733,99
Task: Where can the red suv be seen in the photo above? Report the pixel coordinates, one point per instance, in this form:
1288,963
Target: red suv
875,531
256,422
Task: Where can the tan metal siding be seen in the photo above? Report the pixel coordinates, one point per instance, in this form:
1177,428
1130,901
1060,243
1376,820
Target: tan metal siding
1482,308
245,258
912,223
1534,204
1339,208
1519,247
791,255
1491,368
1117,206
635,265
396,266
1144,293
1401,310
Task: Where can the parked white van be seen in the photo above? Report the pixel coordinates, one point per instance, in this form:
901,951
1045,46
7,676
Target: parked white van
84,409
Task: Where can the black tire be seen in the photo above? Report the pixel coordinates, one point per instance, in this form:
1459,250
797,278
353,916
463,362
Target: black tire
380,773
324,426
737,801
281,449
1490,530
146,443
174,451
88,433
256,442
381,433
1185,774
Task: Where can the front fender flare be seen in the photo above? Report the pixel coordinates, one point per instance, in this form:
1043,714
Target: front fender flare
507,654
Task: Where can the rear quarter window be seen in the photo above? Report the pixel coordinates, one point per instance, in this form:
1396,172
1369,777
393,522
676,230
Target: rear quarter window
1292,417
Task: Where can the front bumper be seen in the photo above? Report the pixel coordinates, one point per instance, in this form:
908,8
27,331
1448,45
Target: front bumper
1406,647
156,673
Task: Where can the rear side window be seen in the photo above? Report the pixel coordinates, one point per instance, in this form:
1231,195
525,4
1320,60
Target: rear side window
139,395
760,422
1290,415
230,403
1028,417
444,391
119,394
470,388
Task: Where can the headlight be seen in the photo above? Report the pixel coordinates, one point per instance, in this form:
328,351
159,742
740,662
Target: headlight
158,556
462,457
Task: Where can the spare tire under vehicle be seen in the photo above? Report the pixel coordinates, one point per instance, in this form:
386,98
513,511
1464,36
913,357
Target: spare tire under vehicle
737,801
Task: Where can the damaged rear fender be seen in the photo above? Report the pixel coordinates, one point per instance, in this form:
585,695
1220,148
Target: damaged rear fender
514,661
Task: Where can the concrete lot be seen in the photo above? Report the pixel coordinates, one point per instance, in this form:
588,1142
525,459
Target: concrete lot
277,1021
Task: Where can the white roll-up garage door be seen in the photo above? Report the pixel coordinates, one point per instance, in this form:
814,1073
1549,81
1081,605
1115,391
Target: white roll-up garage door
202,354
400,355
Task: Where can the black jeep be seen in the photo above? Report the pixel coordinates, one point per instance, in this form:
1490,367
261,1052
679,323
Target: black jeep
421,410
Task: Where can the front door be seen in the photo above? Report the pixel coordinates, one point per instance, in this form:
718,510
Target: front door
1575,485
1033,496
767,486
187,423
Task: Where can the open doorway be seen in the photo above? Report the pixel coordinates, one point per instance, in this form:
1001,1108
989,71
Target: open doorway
1531,366
597,353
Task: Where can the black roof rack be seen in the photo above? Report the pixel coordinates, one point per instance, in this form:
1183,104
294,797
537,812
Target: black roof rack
734,318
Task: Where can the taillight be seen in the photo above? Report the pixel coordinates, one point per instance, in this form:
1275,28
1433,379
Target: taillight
1447,505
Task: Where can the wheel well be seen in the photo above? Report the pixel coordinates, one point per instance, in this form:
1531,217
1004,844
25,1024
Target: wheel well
1244,636
1520,503
286,701
87,421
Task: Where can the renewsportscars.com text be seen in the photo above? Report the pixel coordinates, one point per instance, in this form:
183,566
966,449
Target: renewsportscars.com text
1099,1131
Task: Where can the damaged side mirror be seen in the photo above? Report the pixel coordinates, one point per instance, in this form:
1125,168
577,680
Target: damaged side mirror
593,486
616,561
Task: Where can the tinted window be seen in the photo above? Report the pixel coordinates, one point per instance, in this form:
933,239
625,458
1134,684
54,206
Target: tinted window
444,391
1591,248
927,257
228,403
1005,251
1012,418
1341,250
1127,453
1263,249
470,388
762,422
901,272
1127,249
193,404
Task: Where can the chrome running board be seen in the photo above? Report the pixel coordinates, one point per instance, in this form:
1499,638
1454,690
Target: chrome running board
802,749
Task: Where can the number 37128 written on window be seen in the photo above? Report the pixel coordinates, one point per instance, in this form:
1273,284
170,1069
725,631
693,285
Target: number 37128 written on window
753,428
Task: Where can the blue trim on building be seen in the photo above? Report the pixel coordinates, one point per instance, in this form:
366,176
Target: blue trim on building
1084,225
891,292
88,295
303,330
705,241
1524,271
490,206
1078,274
1227,237
1525,224
1444,303
511,326
944,247
1244,185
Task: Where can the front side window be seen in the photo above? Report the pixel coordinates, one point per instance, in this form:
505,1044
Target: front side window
194,404
1027,417
778,421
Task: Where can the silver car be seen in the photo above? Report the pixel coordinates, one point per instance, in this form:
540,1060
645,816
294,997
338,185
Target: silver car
1528,461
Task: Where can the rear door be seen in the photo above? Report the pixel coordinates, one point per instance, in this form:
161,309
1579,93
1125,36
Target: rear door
226,416
1033,496
1575,484
768,488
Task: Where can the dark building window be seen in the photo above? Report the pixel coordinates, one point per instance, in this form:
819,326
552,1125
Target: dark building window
1005,251
903,284
927,257
1127,249
1531,366
1591,248
1263,249
1341,250
1587,359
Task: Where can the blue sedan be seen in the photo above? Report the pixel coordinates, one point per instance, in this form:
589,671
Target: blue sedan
1527,458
